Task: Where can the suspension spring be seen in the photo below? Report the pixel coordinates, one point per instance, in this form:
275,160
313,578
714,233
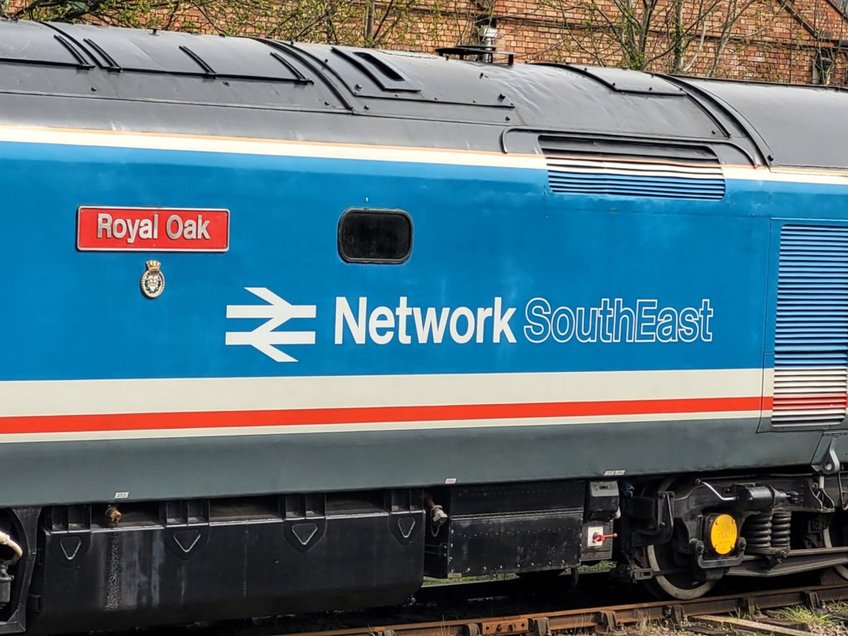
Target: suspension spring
758,532
781,529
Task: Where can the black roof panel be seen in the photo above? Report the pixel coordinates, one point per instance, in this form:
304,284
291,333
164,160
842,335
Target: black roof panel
802,125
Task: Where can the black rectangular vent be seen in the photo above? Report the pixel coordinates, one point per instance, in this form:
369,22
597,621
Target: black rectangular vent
577,166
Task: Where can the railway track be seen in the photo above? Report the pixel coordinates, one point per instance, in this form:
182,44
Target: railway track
533,608
611,618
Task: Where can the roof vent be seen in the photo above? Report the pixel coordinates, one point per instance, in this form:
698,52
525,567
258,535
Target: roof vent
577,166
486,51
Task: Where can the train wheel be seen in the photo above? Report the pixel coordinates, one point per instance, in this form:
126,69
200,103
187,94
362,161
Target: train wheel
678,582
836,536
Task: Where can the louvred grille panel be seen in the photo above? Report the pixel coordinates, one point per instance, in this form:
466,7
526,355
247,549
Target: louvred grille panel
811,335
634,176
627,168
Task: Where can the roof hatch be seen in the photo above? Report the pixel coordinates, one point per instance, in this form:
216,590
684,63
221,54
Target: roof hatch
183,54
36,43
626,81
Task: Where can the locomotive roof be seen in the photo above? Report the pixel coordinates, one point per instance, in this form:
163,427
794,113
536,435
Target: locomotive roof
263,88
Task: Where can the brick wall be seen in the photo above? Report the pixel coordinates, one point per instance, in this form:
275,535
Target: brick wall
772,40
768,40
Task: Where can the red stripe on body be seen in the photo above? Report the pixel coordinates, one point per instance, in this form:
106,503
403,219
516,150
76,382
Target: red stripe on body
810,401
370,414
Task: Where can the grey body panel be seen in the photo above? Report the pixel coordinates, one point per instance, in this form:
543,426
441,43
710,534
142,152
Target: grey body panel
321,462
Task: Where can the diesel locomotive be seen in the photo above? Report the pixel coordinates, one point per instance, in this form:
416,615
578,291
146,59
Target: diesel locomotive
290,326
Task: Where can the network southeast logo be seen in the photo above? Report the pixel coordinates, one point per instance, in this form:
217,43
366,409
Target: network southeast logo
360,322
265,338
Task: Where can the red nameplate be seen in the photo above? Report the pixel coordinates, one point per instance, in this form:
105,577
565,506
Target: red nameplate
153,229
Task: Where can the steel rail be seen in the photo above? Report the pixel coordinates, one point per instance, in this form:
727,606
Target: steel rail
606,618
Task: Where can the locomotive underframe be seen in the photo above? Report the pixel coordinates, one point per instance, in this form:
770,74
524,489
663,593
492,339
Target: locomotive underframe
112,565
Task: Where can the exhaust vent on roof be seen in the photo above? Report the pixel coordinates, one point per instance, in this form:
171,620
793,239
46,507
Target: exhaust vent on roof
632,169
811,332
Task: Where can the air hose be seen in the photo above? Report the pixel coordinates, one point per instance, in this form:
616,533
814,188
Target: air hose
6,540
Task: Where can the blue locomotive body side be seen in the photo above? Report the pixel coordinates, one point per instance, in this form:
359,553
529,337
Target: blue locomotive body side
565,284
480,234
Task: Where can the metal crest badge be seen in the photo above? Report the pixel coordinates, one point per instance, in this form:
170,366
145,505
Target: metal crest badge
153,280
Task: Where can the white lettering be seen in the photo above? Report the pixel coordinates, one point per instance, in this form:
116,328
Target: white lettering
646,311
403,312
104,225
461,337
132,230
482,314
430,325
614,321
190,229
146,230
667,325
501,323
174,226
344,316
381,319
119,228
538,326
386,324
202,228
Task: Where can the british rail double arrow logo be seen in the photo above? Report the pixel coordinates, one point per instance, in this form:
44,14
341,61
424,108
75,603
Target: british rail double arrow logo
264,338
